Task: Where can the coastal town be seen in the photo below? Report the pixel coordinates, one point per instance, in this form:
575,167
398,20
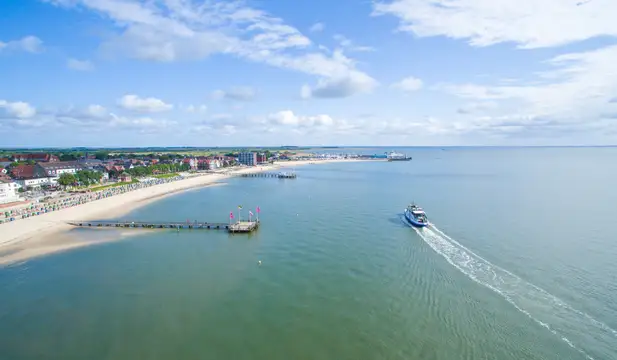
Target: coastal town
35,183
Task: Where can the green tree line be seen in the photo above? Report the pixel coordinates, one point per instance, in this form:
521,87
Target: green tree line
81,177
157,168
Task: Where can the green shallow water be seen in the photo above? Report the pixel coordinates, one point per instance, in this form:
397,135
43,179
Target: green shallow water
518,265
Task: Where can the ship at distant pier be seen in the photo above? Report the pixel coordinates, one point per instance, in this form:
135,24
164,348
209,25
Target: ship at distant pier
394,156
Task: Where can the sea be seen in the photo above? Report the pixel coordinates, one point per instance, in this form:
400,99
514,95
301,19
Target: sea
519,262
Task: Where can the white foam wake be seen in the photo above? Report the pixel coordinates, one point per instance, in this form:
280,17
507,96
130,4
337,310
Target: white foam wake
570,324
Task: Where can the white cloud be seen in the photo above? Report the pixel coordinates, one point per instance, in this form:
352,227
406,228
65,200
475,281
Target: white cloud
135,103
221,117
286,118
409,84
239,93
348,45
79,65
96,110
145,124
196,109
581,84
338,87
172,30
18,109
488,22
30,44
477,107
573,97
317,27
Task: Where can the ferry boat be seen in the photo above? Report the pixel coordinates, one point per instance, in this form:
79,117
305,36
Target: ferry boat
416,216
394,156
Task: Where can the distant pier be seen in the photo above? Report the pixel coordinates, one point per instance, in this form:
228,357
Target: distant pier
279,175
237,227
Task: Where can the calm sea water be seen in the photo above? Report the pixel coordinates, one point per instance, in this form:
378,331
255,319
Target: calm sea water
519,264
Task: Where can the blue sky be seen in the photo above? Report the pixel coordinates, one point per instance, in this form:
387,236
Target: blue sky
279,72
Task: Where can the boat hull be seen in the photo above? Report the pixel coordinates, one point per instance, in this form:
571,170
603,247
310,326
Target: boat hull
401,159
412,220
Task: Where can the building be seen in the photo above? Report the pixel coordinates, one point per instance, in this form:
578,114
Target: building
248,158
203,164
25,176
262,158
53,170
38,157
125,177
4,162
8,191
191,162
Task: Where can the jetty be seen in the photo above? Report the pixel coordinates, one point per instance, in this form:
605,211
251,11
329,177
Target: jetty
279,175
232,227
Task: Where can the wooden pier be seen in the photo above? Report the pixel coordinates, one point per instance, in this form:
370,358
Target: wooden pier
279,175
243,227
237,227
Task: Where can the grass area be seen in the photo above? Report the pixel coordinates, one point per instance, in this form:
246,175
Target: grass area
99,188
165,176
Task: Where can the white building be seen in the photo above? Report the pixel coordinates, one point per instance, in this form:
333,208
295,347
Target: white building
53,170
8,191
33,182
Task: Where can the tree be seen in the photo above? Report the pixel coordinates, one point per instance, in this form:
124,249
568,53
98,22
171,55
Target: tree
101,155
66,179
68,157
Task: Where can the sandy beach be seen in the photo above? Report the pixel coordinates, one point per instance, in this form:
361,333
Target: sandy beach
48,233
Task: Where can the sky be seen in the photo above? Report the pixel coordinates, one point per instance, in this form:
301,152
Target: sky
318,72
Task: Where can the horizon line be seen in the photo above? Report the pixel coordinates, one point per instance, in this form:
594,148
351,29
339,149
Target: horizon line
297,146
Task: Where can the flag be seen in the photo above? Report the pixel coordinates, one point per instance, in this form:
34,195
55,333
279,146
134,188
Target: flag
250,213
231,214
258,210
239,206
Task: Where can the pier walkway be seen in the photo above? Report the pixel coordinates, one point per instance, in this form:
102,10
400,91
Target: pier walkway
280,175
237,227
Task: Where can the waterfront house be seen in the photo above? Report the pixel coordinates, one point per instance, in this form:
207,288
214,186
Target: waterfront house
8,191
203,164
125,177
53,170
191,162
25,176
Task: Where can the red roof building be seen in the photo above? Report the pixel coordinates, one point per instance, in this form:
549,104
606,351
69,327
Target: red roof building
42,157
23,172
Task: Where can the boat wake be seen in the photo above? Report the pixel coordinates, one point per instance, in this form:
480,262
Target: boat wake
573,326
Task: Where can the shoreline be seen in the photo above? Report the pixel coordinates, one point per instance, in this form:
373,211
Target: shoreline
48,233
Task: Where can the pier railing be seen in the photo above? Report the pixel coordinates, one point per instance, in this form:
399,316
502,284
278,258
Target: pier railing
237,227
280,175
